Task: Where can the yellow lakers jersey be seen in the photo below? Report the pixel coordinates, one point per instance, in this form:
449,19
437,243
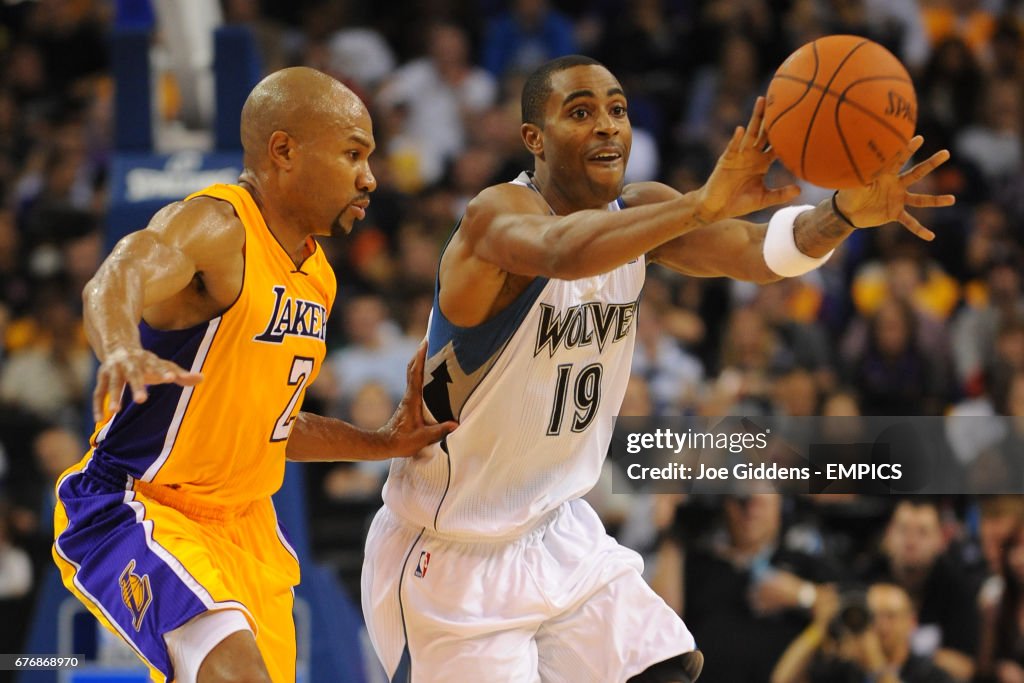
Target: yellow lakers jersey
223,441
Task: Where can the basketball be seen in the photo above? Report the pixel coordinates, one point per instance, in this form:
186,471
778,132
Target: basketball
839,109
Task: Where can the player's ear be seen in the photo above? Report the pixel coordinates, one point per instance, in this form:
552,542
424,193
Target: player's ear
533,138
281,149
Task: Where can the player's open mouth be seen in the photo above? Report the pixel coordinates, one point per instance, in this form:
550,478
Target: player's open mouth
605,156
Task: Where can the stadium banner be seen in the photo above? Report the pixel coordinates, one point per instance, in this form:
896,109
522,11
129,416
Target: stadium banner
141,184
741,455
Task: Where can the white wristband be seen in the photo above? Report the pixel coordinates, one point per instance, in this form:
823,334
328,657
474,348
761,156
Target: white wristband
781,254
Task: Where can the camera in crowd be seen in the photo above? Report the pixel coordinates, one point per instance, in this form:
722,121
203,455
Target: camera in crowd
853,617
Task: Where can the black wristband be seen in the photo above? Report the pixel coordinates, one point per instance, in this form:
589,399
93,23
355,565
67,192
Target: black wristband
836,211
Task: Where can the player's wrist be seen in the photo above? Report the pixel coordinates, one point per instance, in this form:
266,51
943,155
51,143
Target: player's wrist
780,251
703,211
843,212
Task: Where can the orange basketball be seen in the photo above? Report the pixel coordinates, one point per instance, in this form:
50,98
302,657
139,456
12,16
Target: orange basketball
839,109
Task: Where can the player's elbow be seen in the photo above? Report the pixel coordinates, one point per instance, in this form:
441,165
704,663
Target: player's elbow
564,262
570,254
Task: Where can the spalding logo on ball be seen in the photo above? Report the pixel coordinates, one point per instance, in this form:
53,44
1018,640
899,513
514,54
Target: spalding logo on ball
839,110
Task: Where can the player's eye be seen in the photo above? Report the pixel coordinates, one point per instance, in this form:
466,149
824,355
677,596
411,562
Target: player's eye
579,114
354,154
618,110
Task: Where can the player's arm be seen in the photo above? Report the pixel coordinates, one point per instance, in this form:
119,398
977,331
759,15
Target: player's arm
146,268
320,439
795,241
511,227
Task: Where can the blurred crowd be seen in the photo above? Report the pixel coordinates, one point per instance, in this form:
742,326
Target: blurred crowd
890,326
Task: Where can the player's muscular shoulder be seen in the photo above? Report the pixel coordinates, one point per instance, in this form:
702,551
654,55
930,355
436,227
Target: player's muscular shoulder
639,194
473,287
205,237
487,211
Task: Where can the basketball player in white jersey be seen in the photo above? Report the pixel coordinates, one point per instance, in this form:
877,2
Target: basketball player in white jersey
484,564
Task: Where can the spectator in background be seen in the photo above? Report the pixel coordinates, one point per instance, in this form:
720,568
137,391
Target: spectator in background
850,641
361,480
949,88
1007,44
999,300
1002,655
913,557
434,98
993,143
732,80
744,585
525,36
673,375
789,307
1000,518
968,20
894,375
649,44
374,351
751,350
49,371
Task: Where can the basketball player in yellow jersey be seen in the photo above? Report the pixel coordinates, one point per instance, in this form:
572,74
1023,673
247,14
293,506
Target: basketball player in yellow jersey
210,325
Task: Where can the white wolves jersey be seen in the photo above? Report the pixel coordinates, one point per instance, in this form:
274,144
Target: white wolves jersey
535,390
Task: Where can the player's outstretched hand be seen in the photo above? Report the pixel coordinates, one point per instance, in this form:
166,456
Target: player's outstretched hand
886,199
736,185
408,430
136,368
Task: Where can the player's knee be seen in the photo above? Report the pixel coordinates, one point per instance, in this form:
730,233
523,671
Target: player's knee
236,659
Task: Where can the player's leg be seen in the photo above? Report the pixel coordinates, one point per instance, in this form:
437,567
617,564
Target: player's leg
216,647
109,561
443,611
612,626
234,659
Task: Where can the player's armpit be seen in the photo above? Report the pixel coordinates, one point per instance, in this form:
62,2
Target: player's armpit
730,248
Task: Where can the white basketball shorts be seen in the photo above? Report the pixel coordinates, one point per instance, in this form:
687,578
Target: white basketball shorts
564,602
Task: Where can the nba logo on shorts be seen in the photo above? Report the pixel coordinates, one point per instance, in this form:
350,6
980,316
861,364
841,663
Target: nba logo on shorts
421,566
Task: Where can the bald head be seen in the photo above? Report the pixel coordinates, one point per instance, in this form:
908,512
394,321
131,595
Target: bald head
300,101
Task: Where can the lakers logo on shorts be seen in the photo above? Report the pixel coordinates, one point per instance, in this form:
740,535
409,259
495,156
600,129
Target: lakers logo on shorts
136,593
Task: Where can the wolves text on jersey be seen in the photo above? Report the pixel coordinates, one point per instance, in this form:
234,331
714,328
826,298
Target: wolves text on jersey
294,317
583,324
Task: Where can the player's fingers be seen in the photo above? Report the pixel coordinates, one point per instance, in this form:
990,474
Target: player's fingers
414,371
925,167
137,381
169,372
929,200
906,153
753,132
914,226
734,142
434,433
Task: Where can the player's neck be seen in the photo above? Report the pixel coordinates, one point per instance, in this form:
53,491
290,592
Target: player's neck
562,197
292,238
